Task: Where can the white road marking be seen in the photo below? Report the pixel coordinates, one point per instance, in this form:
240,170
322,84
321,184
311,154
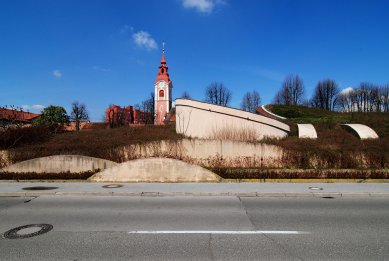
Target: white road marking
221,232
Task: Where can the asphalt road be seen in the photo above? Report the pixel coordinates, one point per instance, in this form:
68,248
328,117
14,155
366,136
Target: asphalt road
197,228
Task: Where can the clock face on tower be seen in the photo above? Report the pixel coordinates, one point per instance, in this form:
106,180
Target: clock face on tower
161,84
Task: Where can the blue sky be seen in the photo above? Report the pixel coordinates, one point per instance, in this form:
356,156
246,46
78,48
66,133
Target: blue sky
53,52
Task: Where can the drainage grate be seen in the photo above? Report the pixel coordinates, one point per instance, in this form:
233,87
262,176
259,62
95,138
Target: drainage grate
39,188
23,231
329,197
113,186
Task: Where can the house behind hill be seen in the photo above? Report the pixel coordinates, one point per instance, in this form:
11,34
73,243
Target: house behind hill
14,117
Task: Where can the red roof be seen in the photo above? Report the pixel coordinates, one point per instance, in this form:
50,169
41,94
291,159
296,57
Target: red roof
163,74
17,115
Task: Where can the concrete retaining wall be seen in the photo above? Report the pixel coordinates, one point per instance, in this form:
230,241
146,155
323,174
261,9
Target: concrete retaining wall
156,170
209,153
60,163
208,121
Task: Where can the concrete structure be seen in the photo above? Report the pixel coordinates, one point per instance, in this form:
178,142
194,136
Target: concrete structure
156,170
307,131
263,108
208,121
362,131
60,163
201,152
163,92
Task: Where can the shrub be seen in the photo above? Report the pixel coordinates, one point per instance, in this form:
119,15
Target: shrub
14,137
95,143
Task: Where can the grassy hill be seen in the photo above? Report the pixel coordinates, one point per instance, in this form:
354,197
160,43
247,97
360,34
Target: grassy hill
329,120
335,146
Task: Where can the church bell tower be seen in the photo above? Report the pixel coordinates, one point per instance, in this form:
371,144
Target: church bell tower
163,92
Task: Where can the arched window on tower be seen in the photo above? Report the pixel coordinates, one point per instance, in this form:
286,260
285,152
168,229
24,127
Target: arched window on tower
163,70
161,93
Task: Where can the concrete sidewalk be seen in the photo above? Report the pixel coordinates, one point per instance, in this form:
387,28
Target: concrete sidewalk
200,189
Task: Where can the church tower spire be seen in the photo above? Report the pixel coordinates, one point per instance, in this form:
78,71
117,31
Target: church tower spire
163,91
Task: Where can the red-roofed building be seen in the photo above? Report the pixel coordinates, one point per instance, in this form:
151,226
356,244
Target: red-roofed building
125,116
16,117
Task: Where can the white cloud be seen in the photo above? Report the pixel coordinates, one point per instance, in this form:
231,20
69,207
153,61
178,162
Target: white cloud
36,108
202,6
57,74
144,39
346,90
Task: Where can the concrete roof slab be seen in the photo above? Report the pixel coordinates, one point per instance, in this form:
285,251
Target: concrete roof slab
363,131
307,131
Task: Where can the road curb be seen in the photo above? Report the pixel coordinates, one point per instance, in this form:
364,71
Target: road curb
204,194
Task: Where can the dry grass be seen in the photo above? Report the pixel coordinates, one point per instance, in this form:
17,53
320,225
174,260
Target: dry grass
96,143
19,136
231,133
300,174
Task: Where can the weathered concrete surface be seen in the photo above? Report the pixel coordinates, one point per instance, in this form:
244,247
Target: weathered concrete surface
60,163
208,121
307,131
363,131
209,152
156,170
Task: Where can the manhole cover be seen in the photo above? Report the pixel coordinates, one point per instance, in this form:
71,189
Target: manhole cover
39,188
315,188
113,186
27,231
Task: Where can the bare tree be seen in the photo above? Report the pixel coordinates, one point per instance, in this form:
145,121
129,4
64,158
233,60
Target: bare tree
366,98
185,95
325,95
79,114
292,91
384,95
345,101
147,110
250,101
218,94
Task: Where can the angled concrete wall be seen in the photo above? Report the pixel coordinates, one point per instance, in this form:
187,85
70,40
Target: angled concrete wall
307,131
362,131
208,121
60,163
155,170
208,152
